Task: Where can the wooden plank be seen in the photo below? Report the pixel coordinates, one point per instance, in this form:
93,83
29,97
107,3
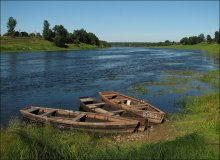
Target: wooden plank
137,105
87,99
32,109
118,111
48,113
77,119
116,101
98,104
110,95
100,110
92,106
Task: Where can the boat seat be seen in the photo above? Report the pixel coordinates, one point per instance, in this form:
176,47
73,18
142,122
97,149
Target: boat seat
116,100
77,118
100,110
92,106
110,95
87,99
98,104
48,113
32,109
118,111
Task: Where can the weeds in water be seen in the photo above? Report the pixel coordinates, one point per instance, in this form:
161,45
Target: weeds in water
141,88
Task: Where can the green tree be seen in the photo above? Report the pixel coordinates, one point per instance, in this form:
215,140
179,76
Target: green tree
209,39
184,41
80,36
217,37
167,43
201,38
92,39
11,26
60,35
194,40
47,32
104,44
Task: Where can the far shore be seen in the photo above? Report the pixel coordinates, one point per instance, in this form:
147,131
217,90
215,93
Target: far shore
32,44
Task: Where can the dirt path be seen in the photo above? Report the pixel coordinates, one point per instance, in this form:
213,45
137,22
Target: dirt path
156,133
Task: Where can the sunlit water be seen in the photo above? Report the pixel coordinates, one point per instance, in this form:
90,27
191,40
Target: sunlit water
58,79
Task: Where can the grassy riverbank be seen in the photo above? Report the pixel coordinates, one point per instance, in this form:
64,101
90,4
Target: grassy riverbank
32,142
32,44
211,49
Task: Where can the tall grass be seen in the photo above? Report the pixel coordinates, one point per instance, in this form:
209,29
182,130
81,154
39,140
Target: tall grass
34,142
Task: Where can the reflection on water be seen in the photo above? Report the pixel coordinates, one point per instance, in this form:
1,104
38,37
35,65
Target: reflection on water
58,79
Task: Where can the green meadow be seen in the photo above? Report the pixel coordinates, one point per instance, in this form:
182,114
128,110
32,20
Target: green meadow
211,49
32,44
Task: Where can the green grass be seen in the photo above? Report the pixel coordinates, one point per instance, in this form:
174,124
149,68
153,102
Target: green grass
211,49
29,44
201,116
34,142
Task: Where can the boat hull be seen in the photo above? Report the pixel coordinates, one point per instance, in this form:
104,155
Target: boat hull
153,114
68,119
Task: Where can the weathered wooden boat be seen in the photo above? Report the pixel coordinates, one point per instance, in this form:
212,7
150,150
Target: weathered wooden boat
93,105
77,120
138,107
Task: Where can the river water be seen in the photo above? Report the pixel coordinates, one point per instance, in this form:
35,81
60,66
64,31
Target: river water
57,79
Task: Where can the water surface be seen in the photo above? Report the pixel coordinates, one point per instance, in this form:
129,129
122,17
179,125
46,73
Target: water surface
58,79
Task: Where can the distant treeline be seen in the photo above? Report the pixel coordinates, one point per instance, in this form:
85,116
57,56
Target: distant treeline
58,34
184,41
141,44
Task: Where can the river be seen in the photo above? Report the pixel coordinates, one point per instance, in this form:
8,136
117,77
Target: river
57,79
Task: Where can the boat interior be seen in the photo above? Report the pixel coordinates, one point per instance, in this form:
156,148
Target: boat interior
119,99
66,115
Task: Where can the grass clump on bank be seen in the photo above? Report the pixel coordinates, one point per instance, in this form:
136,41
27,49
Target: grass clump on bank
34,142
31,44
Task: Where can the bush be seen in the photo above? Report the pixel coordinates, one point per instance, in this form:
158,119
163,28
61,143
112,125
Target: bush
59,42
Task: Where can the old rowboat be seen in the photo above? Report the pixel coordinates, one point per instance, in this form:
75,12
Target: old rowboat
92,105
77,120
138,107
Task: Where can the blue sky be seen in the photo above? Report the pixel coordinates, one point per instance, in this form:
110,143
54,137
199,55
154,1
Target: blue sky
142,21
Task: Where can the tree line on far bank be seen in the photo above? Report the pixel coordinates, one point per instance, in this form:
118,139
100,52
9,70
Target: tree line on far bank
201,38
58,34
184,41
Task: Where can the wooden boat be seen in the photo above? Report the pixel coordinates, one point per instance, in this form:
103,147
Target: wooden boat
77,120
138,107
92,105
